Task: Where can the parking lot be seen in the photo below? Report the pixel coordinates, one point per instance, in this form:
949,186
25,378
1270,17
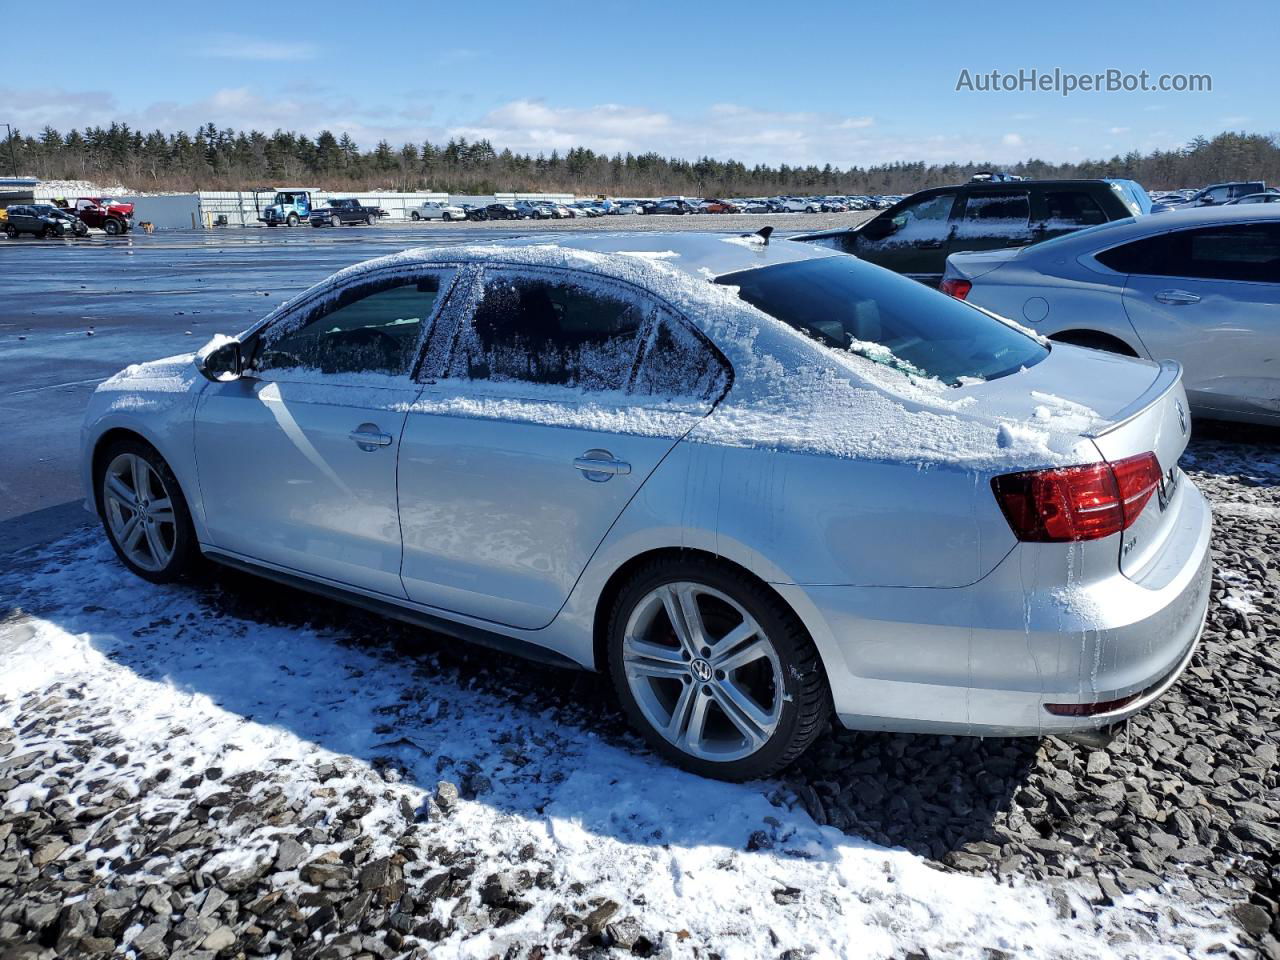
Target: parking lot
217,739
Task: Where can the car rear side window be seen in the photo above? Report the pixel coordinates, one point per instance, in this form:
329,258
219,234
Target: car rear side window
1071,208
679,362
851,306
539,330
367,328
996,213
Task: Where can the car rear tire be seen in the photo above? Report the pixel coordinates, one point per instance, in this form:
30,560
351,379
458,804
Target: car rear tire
292,220
112,227
144,513
415,215
714,670
368,219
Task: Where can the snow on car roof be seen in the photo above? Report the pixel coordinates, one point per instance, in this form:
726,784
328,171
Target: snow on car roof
788,393
701,255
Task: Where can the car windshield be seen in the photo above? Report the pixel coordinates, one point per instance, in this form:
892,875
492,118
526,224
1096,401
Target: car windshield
1083,231
849,305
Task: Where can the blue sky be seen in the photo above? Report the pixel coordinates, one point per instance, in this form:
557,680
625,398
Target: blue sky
801,82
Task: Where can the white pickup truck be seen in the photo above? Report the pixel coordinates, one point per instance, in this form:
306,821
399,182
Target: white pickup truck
435,210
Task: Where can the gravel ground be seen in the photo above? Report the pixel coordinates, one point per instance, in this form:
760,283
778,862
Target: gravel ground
195,828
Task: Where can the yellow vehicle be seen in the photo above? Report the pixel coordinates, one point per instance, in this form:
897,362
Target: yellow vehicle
4,217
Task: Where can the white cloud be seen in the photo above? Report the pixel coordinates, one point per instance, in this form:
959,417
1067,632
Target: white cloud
724,130
1118,130
1235,120
234,46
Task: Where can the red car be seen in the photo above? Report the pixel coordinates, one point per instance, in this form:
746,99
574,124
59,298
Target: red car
105,214
720,206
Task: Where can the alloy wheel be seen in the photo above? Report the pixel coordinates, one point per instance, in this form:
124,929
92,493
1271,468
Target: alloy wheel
703,672
139,512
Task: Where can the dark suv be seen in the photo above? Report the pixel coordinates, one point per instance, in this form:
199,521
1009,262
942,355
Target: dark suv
917,234
43,220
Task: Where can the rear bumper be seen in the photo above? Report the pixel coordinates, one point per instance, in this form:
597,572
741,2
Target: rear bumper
986,659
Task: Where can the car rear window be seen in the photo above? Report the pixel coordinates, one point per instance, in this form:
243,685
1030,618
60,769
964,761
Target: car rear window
849,305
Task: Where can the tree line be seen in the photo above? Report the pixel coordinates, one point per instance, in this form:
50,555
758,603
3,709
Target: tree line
226,159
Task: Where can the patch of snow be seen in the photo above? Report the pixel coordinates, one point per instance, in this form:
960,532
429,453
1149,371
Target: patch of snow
172,683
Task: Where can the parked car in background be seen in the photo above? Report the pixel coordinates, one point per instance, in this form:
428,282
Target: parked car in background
915,236
1016,569
1200,286
1220,193
104,213
1269,196
670,205
437,210
503,211
39,220
78,228
720,206
529,210
475,211
344,211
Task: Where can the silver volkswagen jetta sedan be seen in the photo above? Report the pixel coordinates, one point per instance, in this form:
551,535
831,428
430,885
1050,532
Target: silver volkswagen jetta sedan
1201,286
756,483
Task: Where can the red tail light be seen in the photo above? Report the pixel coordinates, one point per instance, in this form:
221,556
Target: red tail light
1077,503
955,287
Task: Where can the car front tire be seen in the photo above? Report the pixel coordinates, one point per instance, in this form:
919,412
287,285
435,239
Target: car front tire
144,513
714,670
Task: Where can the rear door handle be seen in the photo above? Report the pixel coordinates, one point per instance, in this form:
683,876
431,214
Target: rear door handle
368,437
1177,297
600,465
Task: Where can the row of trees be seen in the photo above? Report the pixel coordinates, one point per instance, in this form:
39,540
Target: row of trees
213,159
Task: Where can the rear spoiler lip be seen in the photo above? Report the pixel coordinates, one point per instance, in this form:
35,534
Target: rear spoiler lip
1170,376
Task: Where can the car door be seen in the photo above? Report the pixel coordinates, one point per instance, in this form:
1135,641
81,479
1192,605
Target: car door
297,458
911,238
1209,298
549,411
991,220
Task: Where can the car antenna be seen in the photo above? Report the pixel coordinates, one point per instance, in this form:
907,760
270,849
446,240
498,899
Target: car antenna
764,233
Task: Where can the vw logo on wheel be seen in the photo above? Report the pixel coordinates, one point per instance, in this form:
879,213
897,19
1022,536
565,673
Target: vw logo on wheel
701,670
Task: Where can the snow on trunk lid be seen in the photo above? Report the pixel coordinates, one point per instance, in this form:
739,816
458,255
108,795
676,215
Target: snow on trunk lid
1159,422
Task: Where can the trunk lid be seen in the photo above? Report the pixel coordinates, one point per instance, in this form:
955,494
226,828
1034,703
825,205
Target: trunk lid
1126,408
974,264
1159,422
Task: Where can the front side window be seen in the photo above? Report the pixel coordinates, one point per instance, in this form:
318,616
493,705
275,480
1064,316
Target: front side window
932,210
374,327
1247,252
850,306
550,331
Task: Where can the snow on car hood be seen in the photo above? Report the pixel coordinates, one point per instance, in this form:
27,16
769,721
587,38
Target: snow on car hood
790,394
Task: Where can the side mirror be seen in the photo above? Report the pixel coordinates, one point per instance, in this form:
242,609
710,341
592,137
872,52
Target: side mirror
220,359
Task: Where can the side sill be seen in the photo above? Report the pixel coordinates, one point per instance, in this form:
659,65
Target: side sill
394,611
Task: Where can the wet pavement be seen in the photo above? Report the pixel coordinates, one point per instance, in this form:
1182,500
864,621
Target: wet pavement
76,311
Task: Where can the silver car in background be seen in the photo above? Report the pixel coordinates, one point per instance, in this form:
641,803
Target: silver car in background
755,483
1200,286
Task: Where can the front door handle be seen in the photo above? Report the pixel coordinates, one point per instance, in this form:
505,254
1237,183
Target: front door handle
1177,297
600,465
368,437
